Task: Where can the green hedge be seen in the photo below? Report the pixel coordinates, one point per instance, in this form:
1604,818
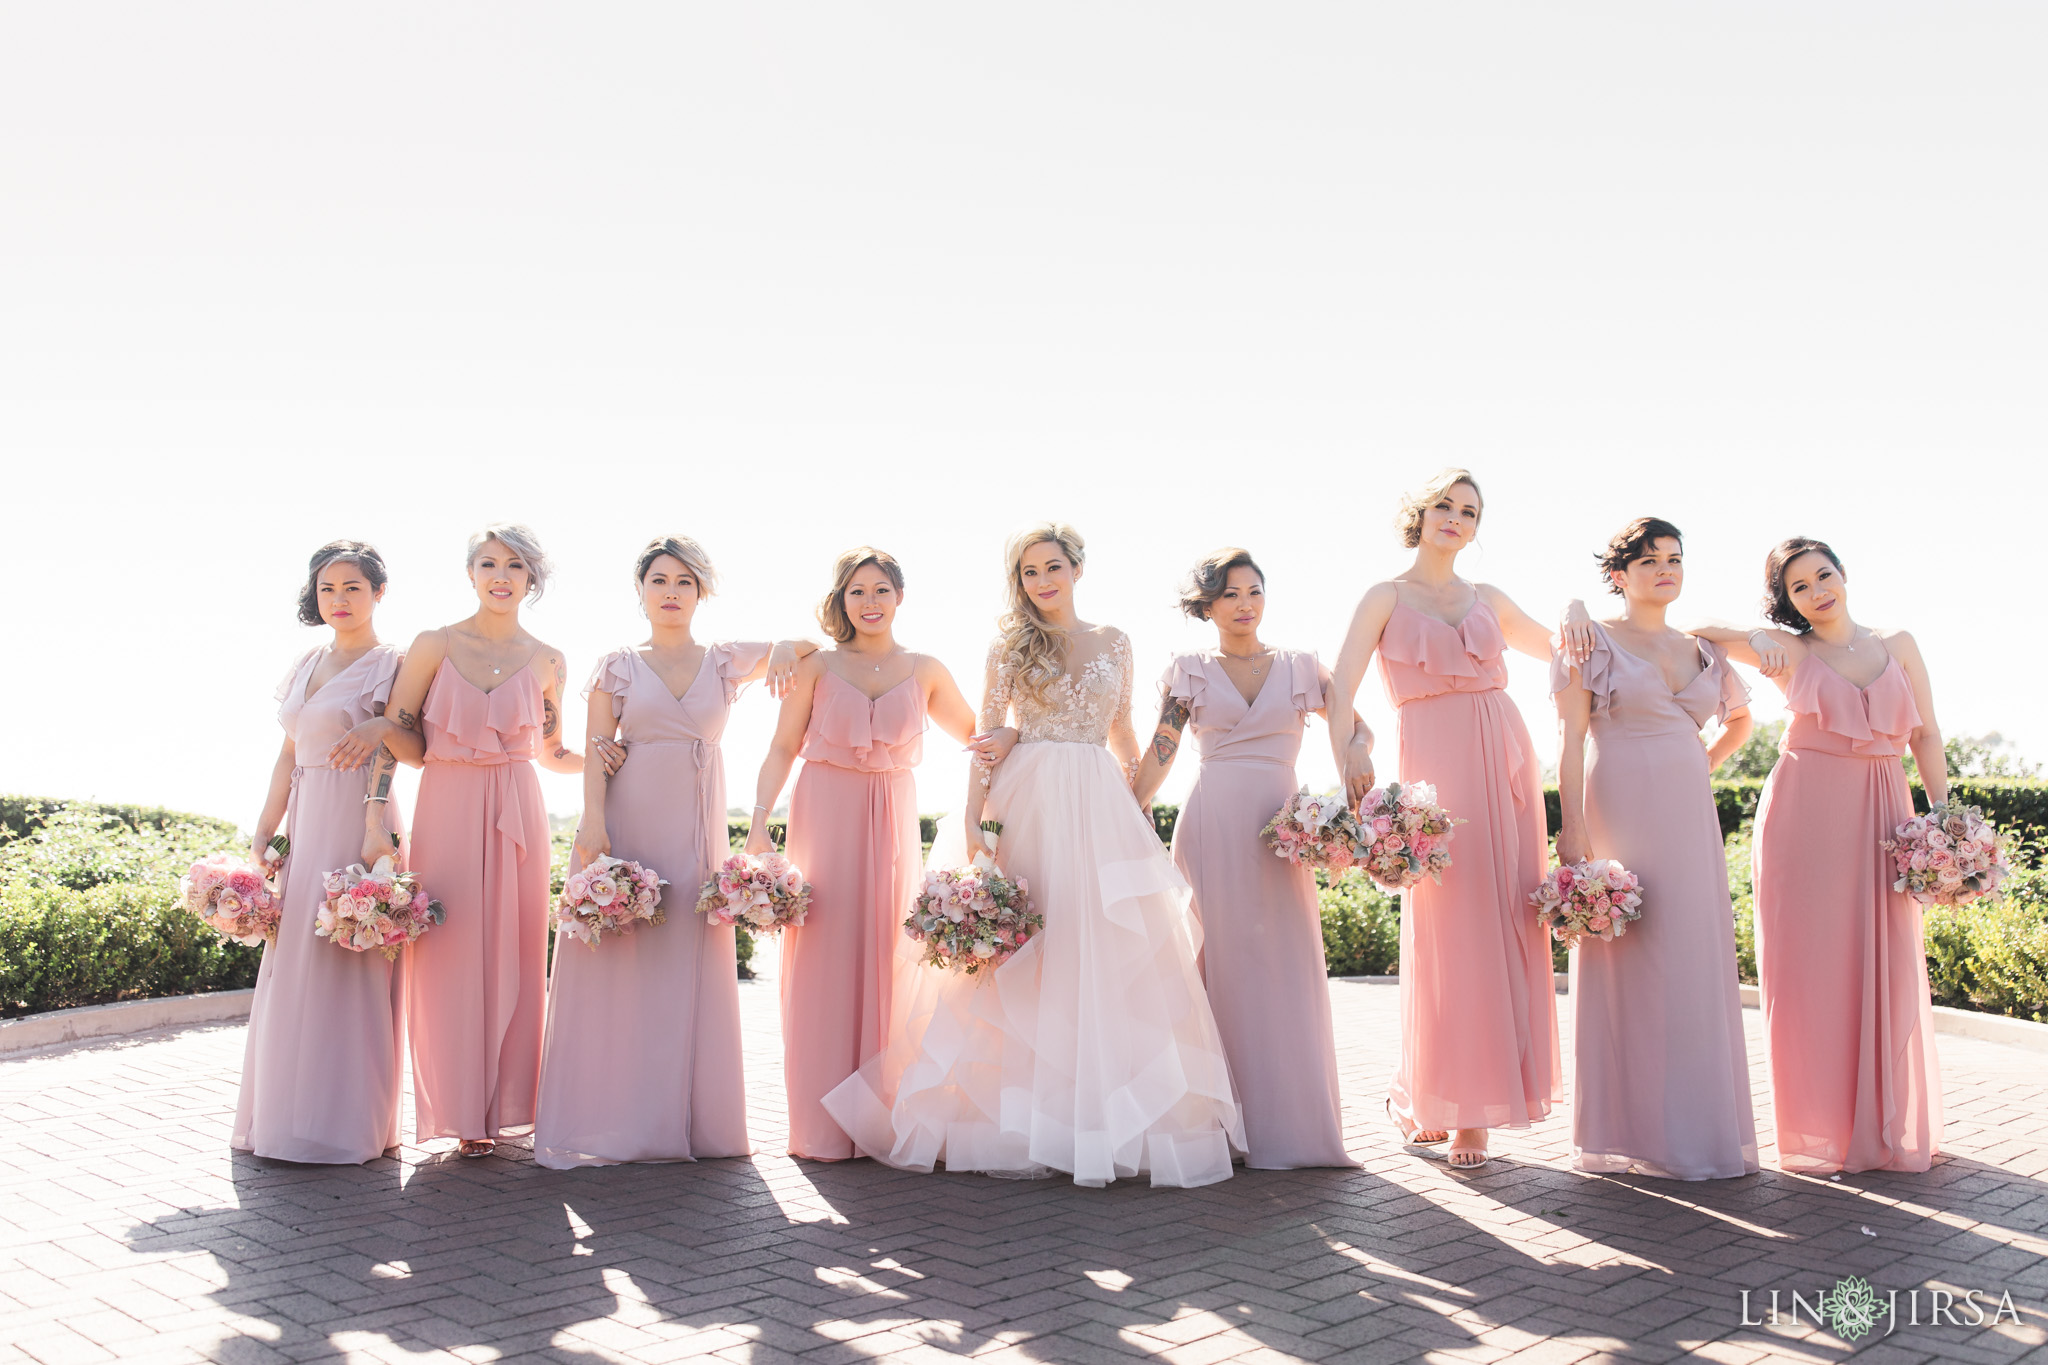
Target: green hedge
119,941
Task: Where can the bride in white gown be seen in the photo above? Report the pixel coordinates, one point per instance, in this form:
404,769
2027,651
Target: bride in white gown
1092,1050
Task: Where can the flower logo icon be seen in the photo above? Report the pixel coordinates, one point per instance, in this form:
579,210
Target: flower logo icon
1852,1308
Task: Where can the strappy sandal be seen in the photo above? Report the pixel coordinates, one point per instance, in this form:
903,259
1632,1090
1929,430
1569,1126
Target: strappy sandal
476,1147
1419,1146
1452,1158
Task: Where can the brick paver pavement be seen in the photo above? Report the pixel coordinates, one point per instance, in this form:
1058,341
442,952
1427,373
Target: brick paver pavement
128,1231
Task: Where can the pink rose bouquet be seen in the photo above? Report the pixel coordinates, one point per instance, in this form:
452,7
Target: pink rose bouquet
1316,831
608,895
764,892
1404,835
232,898
1597,897
379,908
972,919
1950,856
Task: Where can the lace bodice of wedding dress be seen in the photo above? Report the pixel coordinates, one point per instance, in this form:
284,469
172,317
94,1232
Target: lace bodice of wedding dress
1080,706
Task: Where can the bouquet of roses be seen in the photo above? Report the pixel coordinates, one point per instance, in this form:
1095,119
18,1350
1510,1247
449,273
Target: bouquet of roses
1404,835
972,919
1950,856
608,895
764,893
377,907
1599,897
232,898
1319,831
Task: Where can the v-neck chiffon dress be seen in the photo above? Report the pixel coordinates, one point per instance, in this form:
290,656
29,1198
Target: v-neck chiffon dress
1262,930
642,1056
853,829
480,847
303,1097
1478,1006
1661,1073
1841,966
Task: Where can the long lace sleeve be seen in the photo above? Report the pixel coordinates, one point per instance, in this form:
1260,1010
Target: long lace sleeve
1121,652
995,702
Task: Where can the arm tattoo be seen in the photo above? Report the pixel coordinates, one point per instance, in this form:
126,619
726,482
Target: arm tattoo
1174,713
551,719
1173,718
407,720
561,675
382,765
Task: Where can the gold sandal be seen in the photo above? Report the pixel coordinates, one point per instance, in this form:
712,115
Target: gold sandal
475,1147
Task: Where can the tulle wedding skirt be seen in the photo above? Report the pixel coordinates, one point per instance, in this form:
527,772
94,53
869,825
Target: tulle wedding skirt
1093,1050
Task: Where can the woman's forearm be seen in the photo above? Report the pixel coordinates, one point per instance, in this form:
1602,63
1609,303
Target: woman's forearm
774,775
1931,755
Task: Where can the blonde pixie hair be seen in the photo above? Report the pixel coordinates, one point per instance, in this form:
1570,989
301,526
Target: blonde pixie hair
1028,649
1210,576
684,549
523,543
1408,521
832,611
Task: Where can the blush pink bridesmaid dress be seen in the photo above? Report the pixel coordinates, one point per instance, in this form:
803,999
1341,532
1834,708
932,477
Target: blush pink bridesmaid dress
853,830
1842,970
1262,927
642,1059
1661,1081
480,847
1478,1007
303,1098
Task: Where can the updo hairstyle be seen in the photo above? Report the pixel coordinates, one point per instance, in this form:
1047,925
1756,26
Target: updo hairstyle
832,610
521,541
1409,520
1633,542
1206,581
1778,602
681,548
360,553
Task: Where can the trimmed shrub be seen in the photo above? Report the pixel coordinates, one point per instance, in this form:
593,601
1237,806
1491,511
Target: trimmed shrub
119,941
1361,927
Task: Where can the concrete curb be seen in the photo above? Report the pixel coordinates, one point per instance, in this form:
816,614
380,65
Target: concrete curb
130,1016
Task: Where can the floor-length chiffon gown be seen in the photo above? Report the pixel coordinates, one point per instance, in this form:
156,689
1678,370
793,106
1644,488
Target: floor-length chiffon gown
1661,1075
480,847
1092,1051
1841,967
1478,1007
642,1054
303,1098
853,830
1262,930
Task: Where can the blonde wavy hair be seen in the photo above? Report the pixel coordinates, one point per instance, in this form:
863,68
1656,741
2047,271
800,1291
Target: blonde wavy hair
1031,652
1408,521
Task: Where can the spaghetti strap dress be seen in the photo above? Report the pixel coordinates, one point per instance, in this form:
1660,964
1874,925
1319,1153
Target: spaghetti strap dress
479,846
642,1054
1262,928
303,1098
1841,966
1478,1006
853,829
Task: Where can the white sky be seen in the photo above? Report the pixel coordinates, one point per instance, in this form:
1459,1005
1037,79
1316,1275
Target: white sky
788,278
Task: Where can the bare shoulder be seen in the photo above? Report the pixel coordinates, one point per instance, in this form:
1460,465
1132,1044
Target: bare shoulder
1900,642
1380,596
550,665
430,646
927,668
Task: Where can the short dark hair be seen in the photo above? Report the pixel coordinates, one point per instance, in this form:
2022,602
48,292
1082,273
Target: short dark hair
1210,576
1777,602
1633,542
359,553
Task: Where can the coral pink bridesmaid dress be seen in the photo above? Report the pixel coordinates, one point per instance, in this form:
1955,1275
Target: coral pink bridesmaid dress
303,1098
1840,962
642,1060
853,830
480,847
1661,1076
1478,1007
1262,927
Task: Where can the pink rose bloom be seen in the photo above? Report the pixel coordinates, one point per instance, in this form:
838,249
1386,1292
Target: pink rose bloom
1599,923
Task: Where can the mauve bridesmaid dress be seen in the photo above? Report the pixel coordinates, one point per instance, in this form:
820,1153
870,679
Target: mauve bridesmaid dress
480,847
1262,928
303,1098
642,1058
1478,1007
1661,1080
1842,969
853,830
